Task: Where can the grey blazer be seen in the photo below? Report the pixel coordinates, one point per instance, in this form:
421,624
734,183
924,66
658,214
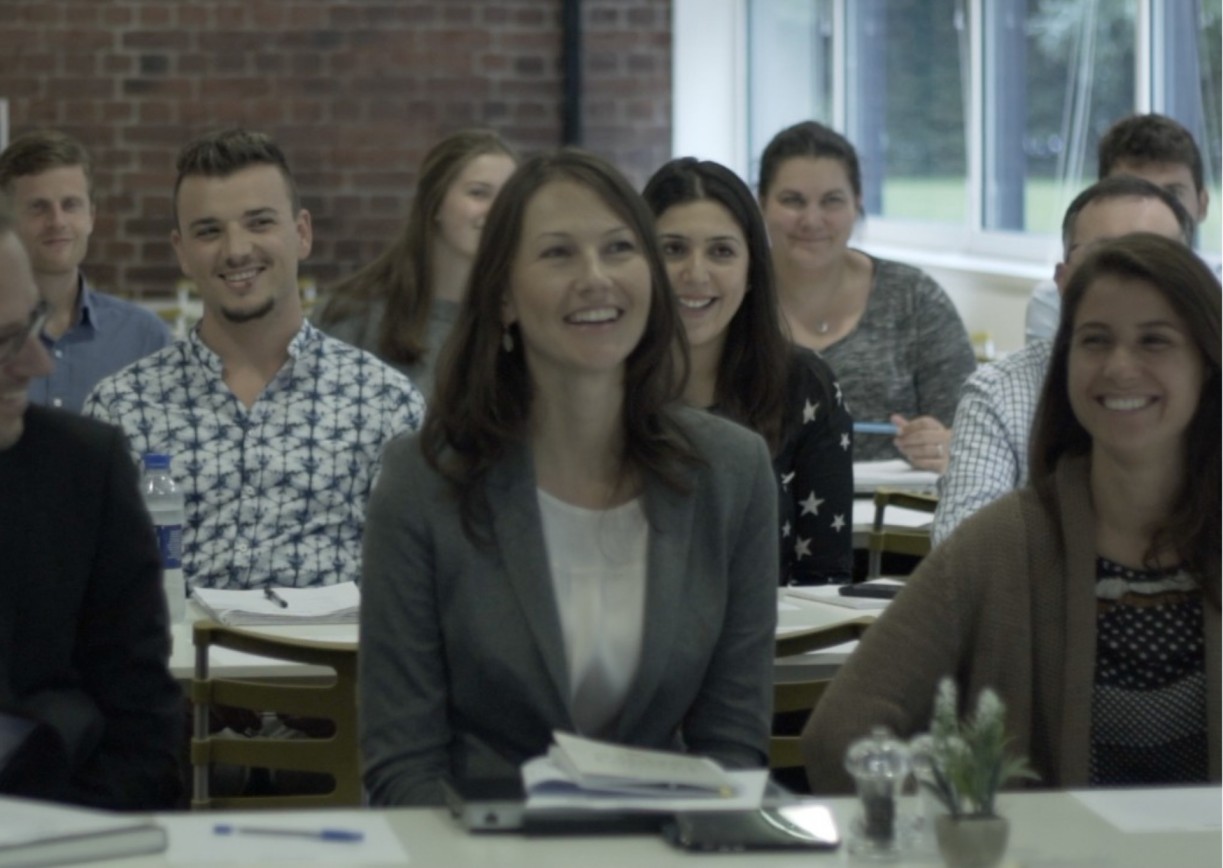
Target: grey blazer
463,668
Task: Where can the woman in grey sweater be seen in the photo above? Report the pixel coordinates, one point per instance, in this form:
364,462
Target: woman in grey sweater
890,333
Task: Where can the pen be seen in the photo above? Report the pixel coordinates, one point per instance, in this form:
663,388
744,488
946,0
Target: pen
348,835
875,428
275,598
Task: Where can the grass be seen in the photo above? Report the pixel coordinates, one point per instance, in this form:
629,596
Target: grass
945,200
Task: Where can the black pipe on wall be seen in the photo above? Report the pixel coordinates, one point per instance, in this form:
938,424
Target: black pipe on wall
571,72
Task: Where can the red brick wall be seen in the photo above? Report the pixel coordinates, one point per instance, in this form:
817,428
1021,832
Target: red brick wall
354,90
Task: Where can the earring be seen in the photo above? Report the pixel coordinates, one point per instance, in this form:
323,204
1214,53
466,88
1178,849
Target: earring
507,340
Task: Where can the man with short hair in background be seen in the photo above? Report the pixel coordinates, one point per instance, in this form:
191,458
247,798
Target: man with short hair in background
92,714
275,430
1152,147
989,443
90,335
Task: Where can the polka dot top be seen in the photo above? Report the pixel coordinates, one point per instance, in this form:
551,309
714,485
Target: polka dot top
1148,708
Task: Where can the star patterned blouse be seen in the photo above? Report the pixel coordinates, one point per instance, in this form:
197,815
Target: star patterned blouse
275,494
815,477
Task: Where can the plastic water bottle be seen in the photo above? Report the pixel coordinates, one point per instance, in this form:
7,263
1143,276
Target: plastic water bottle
165,503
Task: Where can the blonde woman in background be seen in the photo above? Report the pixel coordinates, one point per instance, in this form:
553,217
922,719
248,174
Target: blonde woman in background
402,305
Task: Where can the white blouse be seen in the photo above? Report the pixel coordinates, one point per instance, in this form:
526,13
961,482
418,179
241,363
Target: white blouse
598,564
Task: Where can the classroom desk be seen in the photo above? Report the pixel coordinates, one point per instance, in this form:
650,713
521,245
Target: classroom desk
802,625
1050,829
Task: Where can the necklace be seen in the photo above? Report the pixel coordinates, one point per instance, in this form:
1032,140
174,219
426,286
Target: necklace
821,327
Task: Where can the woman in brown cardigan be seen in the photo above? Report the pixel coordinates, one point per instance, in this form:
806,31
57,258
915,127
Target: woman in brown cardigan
1090,600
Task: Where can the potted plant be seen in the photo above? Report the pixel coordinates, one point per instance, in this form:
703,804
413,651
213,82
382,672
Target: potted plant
963,764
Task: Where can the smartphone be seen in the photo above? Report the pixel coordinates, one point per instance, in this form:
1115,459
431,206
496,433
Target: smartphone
797,826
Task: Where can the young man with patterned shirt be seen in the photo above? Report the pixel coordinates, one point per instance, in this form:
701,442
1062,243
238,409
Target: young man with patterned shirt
275,430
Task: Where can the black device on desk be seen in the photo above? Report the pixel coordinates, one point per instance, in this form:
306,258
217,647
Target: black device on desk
797,826
873,590
499,805
486,804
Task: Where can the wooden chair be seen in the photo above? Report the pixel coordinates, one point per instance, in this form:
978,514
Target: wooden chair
799,695
914,542
797,692
332,698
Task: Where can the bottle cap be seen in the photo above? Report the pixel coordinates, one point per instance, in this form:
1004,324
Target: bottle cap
879,756
156,461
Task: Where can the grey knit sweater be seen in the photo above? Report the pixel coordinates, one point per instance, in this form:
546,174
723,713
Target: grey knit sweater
909,354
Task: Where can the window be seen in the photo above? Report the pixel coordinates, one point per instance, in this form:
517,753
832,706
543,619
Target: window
976,120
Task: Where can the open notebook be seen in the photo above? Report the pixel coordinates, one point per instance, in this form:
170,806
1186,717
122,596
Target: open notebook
327,604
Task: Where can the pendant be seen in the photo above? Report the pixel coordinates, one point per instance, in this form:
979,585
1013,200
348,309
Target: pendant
821,328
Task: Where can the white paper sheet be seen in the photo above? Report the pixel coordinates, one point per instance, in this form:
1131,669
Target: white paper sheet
1176,809
749,791
193,840
896,473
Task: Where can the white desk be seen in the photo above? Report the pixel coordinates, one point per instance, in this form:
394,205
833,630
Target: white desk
227,663
1050,829
795,617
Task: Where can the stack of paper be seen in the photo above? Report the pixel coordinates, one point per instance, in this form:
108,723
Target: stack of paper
897,473
596,766
327,604
40,833
582,774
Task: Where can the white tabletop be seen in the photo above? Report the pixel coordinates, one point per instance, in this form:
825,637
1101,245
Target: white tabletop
1049,829
794,616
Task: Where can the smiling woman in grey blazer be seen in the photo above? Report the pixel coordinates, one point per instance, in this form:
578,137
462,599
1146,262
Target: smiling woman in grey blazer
563,546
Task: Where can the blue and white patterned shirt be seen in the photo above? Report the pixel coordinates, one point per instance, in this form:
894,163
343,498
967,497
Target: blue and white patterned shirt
989,439
275,494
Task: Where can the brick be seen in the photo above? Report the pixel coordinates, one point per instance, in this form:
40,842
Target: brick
155,40
116,15
78,65
157,15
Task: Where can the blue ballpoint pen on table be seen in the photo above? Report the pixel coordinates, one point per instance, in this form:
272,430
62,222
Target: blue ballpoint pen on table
875,428
276,598
341,835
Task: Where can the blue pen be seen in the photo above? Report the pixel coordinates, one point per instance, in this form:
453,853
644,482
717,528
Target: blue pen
875,428
345,835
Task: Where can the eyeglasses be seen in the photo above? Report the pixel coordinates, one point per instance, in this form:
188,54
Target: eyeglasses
12,342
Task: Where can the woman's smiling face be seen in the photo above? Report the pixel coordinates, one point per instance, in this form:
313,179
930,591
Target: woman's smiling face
707,260
580,283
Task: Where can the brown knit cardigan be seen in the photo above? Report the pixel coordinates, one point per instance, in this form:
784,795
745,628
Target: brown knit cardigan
1008,602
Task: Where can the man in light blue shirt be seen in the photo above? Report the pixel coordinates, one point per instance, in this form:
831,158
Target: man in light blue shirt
89,335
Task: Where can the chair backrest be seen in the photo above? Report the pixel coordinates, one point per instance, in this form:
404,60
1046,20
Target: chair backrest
911,541
332,698
791,697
